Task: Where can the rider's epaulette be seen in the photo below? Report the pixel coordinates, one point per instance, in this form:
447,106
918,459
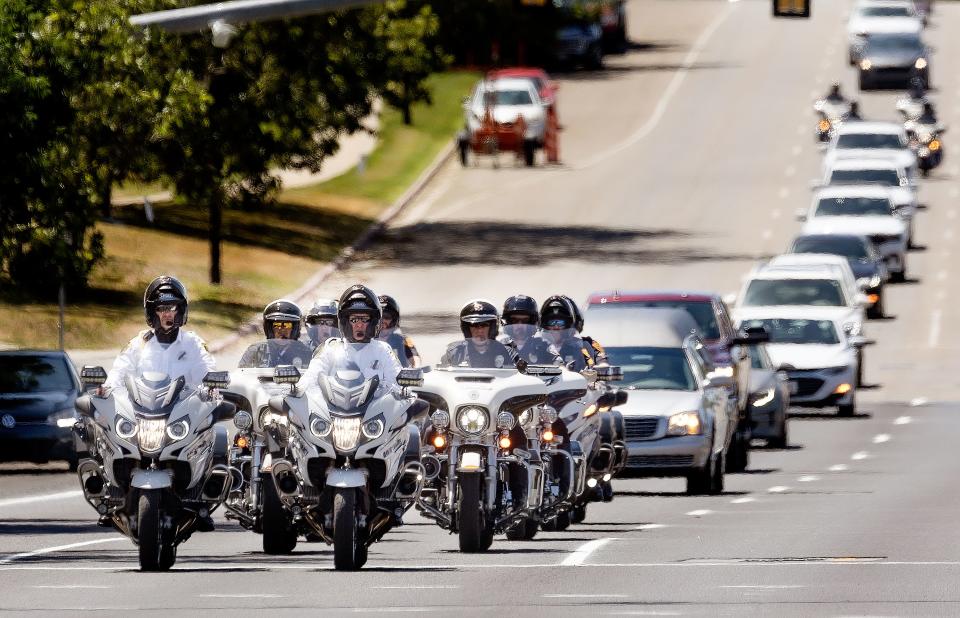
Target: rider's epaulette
147,335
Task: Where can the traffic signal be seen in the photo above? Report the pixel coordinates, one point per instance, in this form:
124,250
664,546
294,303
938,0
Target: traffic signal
791,8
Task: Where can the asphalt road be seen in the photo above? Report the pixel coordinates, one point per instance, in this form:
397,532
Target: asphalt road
684,162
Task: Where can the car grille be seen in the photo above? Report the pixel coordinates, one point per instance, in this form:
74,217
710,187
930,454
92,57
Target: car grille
806,386
659,461
882,238
641,427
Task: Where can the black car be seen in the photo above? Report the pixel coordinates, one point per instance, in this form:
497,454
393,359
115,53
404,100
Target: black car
37,391
894,58
865,262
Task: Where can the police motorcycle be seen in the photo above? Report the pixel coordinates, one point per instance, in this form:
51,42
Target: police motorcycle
251,387
153,459
830,115
346,465
927,141
482,477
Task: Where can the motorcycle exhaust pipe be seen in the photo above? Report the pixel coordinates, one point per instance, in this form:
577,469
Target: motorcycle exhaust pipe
284,478
410,482
431,467
236,479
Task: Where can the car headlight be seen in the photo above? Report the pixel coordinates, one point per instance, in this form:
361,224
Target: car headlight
319,427
473,419
865,64
764,397
440,419
62,418
178,431
684,424
346,432
548,414
921,63
151,433
372,429
243,420
126,428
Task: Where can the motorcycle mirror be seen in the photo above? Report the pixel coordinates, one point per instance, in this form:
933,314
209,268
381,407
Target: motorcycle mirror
216,379
411,376
609,373
286,374
801,214
92,376
84,406
279,406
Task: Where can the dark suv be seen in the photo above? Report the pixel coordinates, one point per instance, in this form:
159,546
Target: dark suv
726,345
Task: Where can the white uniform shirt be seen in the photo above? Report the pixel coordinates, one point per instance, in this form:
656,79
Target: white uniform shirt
375,358
187,356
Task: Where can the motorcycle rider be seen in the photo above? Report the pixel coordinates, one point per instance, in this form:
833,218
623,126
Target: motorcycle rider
163,348
557,319
928,115
321,321
358,315
834,96
281,326
390,332
479,347
596,350
519,318
854,113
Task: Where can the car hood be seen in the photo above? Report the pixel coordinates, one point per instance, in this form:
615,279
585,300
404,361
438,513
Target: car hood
659,402
857,225
892,58
810,355
35,404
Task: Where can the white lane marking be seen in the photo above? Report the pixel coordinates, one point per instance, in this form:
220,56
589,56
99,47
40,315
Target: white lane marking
796,150
415,587
784,193
860,455
839,468
902,420
934,338
942,275
63,495
699,512
50,550
790,171
766,234
241,595
808,478
880,438
769,587
574,595
650,526
778,489
951,214
775,213
668,92
948,234
744,500
74,587
919,401
578,557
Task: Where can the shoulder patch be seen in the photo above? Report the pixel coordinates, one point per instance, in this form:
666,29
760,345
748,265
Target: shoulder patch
146,335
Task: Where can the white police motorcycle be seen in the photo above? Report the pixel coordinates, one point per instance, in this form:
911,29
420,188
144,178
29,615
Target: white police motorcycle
152,458
346,466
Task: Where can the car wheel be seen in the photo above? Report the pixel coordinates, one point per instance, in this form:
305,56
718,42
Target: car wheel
464,149
698,481
529,152
901,275
781,440
738,456
848,409
859,376
716,480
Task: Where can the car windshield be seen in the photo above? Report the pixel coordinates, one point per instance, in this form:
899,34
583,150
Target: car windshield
852,206
701,312
653,368
34,374
886,11
850,247
885,177
797,331
894,43
869,140
769,292
513,97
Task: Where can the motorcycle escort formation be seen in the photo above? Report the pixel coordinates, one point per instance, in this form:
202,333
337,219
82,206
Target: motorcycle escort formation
152,458
345,466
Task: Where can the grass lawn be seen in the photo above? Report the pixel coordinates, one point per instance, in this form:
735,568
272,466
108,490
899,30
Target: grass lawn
266,252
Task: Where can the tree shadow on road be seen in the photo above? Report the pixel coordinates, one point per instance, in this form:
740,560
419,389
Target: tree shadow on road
677,494
826,416
43,527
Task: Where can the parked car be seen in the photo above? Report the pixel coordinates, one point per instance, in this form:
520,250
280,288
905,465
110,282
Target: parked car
545,86
37,392
769,398
679,417
812,346
865,261
580,43
728,348
508,100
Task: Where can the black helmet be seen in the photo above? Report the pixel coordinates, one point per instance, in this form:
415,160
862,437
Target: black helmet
165,290
835,89
520,305
558,307
577,316
282,310
917,89
359,299
479,312
389,305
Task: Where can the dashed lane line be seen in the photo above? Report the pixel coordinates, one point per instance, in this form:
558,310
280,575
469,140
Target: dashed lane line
839,468
699,512
579,556
902,420
934,337
778,489
918,401
808,478
881,438
860,456
744,500
51,550
650,526
63,495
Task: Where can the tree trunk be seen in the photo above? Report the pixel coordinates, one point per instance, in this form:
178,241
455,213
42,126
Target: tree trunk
216,222
106,196
407,116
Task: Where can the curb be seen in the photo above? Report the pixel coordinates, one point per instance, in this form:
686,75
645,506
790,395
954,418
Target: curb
372,231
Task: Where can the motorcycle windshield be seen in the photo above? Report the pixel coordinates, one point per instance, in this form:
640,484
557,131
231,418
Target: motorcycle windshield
154,393
274,352
344,386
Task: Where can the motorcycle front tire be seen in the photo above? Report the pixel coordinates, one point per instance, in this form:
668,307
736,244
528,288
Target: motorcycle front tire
346,539
149,530
470,513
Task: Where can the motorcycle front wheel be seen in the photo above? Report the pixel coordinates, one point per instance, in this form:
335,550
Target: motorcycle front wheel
150,532
346,542
470,514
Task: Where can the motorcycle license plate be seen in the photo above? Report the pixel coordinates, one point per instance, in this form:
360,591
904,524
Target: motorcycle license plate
794,387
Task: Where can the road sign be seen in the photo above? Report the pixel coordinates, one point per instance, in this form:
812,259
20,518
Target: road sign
791,8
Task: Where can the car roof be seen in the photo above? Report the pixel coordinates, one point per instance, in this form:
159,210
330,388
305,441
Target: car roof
870,127
789,260
654,327
874,191
791,312
509,83
854,163
780,273
33,352
639,296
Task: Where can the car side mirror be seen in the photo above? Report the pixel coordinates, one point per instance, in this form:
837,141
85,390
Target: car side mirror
800,214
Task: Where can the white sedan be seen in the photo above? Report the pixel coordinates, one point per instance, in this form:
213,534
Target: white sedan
887,175
509,99
880,16
872,140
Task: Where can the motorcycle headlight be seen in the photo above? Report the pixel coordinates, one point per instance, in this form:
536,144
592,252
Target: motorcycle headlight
151,433
506,421
473,419
126,429
440,419
267,417
373,429
921,63
319,427
934,145
764,397
346,432
548,414
178,431
243,420
684,424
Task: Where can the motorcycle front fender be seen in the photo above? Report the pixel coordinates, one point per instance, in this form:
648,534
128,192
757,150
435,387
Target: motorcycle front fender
339,477
151,479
